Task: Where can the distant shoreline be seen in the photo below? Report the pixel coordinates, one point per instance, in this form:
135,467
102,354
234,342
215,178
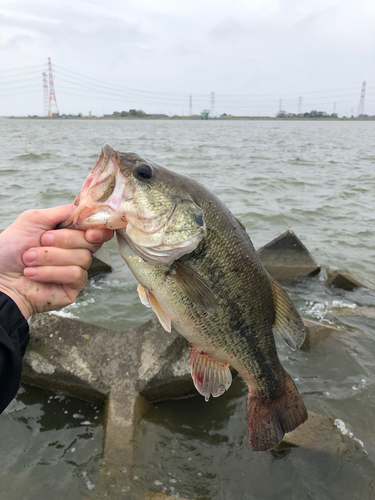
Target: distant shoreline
186,118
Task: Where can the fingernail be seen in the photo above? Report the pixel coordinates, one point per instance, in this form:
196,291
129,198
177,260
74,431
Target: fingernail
48,239
30,272
29,257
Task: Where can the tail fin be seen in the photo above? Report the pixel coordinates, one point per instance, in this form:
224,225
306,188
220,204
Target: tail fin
270,420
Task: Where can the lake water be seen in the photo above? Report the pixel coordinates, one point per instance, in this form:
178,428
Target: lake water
316,178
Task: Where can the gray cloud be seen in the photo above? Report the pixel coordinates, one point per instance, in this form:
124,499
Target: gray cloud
17,42
229,29
230,47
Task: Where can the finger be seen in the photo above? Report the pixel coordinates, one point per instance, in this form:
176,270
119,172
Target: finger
74,276
47,218
52,256
68,238
99,235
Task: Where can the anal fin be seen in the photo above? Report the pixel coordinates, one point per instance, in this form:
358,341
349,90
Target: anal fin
148,299
210,377
288,323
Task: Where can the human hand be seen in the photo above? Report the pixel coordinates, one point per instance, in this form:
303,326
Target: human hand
44,269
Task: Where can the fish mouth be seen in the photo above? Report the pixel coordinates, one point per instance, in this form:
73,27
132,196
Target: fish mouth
103,192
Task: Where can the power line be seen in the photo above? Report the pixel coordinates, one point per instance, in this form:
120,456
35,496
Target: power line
19,78
80,85
21,69
22,87
93,88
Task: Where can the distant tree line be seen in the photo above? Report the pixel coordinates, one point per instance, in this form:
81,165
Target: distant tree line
312,114
136,113
132,112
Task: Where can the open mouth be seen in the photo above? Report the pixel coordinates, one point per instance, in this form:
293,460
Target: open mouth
99,201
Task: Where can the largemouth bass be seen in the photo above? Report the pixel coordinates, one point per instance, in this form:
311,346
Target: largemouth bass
198,270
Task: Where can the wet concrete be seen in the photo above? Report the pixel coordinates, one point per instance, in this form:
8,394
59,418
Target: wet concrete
325,435
340,279
113,368
316,332
101,263
126,371
286,258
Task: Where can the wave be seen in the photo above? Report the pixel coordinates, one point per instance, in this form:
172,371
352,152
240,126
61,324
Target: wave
32,157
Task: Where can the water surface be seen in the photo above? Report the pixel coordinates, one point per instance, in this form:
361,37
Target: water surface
316,178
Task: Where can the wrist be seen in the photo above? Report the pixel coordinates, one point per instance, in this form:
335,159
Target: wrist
17,299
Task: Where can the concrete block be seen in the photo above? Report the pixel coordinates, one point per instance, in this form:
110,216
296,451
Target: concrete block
151,495
120,369
286,258
101,263
316,332
323,434
125,370
340,279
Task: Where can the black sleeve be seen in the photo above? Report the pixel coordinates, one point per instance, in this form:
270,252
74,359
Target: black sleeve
14,338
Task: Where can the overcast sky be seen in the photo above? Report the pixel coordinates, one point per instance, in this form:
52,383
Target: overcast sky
152,55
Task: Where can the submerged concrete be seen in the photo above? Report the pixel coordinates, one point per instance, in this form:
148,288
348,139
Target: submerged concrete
316,332
286,258
340,279
122,370
126,371
324,434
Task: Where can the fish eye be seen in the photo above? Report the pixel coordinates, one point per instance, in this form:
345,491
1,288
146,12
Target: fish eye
143,171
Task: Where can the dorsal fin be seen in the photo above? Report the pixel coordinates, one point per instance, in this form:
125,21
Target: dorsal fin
209,376
288,323
195,287
241,224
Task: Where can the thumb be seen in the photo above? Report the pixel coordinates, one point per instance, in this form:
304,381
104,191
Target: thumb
47,218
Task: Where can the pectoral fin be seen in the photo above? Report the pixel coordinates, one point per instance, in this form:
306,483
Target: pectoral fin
209,376
194,286
143,295
288,323
148,299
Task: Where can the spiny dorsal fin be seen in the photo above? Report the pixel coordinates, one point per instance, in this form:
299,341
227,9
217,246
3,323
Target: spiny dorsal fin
240,223
209,376
288,323
149,300
195,287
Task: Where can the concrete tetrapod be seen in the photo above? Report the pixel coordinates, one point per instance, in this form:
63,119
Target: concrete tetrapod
112,368
340,279
286,258
124,370
316,332
101,263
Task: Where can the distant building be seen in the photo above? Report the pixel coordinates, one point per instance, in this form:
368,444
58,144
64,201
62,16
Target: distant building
205,113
